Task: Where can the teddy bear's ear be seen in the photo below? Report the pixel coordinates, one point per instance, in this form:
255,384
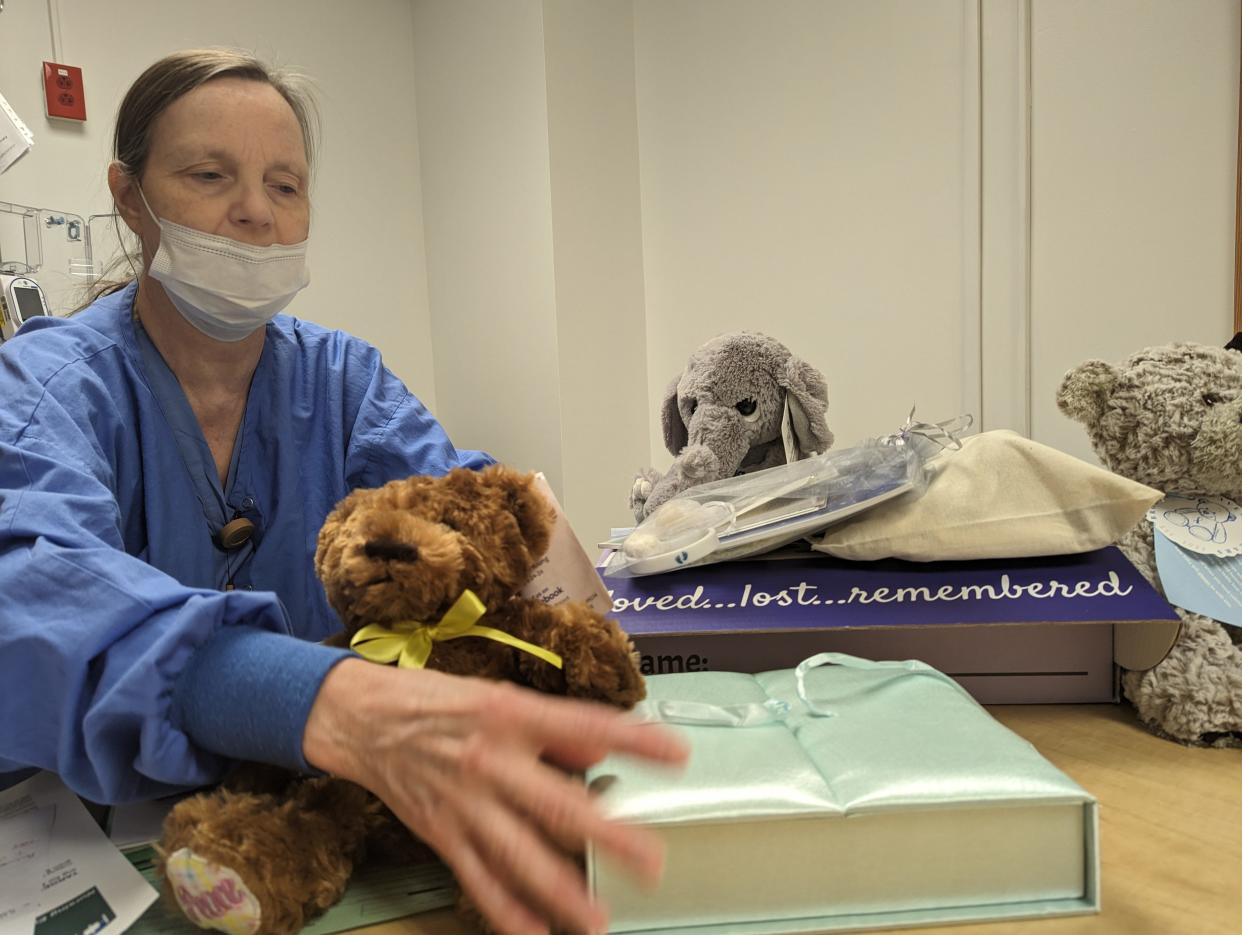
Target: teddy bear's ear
522,498
1085,390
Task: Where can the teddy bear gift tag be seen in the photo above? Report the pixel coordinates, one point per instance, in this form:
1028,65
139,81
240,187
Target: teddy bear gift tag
1198,542
565,572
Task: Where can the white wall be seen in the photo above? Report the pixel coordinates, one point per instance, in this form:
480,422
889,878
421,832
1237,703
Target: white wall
809,170
1134,161
945,203
367,258
530,178
597,235
596,206
482,109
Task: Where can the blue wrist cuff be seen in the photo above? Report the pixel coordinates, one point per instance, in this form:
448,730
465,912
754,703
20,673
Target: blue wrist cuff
246,694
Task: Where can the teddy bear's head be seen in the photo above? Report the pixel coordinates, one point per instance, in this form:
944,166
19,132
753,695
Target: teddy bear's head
408,549
1169,417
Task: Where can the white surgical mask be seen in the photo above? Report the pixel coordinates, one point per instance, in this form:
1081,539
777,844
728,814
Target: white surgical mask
224,288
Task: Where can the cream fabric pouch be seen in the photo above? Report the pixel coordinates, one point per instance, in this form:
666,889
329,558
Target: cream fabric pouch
1000,496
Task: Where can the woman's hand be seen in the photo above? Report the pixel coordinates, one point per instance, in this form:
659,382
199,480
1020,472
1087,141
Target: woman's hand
461,762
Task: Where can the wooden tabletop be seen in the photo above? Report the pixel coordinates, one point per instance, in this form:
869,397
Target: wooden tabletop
1170,829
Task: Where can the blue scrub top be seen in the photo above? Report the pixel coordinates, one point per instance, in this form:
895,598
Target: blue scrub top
110,506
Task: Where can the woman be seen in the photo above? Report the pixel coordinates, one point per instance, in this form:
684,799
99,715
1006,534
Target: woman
166,458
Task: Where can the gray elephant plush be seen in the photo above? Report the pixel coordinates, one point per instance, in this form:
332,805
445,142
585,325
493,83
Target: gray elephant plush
743,403
1171,417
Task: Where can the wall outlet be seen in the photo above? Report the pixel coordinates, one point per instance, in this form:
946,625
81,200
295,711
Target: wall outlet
63,91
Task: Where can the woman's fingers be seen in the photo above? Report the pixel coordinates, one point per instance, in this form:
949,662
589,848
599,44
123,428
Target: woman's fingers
501,852
561,806
549,883
460,761
490,892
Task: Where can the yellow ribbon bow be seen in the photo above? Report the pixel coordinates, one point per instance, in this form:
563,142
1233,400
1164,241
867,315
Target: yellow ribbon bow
409,642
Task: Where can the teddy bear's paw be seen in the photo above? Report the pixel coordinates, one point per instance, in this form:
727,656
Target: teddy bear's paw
212,896
1195,693
620,685
600,665
611,687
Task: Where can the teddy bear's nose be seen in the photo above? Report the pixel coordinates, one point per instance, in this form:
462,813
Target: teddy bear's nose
392,551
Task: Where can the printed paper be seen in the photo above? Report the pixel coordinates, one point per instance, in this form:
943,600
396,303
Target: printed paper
1202,524
565,573
1203,584
15,137
59,874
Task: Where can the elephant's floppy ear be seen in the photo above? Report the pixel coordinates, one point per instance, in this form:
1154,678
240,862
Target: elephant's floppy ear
804,426
675,433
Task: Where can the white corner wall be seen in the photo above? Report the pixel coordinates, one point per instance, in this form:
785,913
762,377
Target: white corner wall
1134,153
529,159
483,121
367,258
597,235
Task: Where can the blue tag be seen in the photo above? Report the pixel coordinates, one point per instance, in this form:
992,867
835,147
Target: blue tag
1203,584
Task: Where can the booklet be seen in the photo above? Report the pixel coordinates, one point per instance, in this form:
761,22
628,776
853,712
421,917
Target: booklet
59,874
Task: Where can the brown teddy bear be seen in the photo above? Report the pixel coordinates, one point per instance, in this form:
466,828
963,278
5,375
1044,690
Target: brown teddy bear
270,850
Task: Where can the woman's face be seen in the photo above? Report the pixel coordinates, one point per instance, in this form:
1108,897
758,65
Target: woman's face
228,159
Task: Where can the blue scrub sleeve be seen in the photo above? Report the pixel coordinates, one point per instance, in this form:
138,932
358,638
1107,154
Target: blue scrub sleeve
247,694
394,435
92,639
95,643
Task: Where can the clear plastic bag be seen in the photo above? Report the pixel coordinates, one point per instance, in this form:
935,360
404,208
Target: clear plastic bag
751,514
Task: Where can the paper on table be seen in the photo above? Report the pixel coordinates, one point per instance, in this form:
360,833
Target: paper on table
15,137
80,884
25,829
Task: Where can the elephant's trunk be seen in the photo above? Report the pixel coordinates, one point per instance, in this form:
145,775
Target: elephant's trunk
717,444
724,433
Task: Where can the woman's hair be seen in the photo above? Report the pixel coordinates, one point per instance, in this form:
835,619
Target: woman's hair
182,72
170,78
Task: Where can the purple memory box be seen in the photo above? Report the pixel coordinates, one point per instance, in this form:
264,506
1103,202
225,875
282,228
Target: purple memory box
1011,631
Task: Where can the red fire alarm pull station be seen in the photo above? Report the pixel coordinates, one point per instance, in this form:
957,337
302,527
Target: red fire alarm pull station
62,87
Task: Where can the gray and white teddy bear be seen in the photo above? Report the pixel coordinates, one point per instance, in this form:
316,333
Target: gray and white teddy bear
1171,417
742,404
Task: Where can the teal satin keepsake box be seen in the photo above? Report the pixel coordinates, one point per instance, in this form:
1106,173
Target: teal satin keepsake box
844,795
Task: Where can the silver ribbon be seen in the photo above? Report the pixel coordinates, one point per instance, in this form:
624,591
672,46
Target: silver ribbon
774,710
701,714
942,434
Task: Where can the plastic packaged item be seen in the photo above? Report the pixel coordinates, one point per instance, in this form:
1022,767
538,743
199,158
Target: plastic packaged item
751,514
